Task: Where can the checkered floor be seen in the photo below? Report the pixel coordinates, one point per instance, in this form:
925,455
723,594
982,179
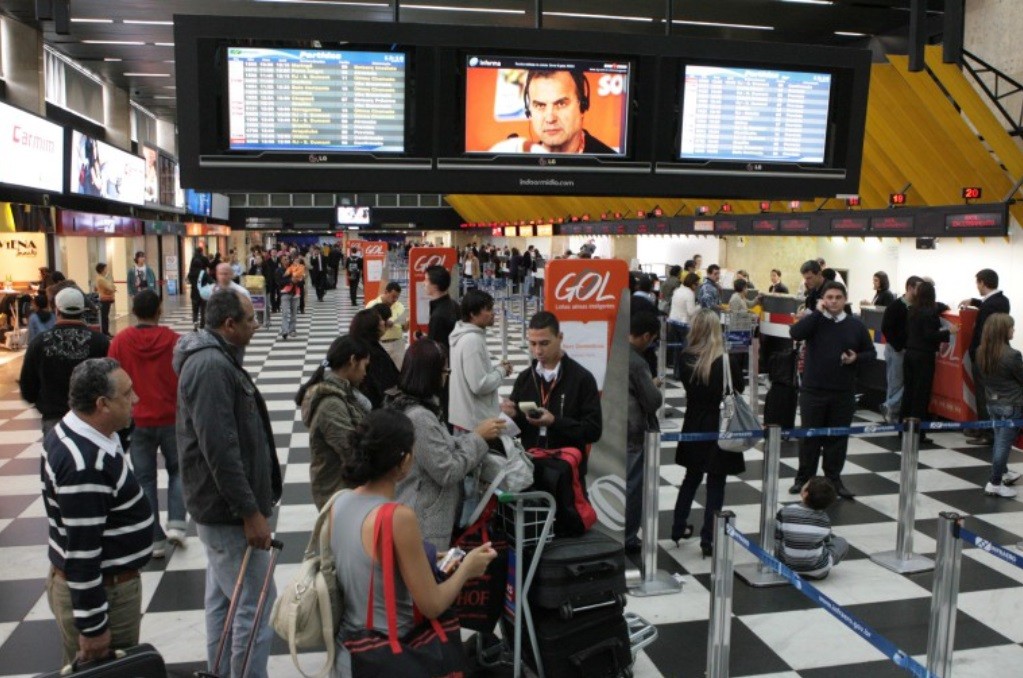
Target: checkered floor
775,632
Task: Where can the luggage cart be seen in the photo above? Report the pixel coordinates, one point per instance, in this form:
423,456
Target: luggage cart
529,518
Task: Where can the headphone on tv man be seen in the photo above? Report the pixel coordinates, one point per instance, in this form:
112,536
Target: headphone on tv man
582,87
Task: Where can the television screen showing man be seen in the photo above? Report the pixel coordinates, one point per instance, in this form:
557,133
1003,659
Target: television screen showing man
520,105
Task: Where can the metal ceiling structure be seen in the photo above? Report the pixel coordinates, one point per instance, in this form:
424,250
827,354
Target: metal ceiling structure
130,42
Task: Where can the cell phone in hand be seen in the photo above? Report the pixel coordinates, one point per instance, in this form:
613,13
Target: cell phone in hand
535,413
450,560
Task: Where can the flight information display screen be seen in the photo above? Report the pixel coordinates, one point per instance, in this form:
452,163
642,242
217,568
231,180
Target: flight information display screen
754,115
316,100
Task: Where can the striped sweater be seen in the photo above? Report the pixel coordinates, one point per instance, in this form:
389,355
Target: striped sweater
100,522
801,537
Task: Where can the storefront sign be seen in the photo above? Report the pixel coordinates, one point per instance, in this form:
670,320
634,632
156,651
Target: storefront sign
420,259
21,256
31,151
585,295
374,260
89,224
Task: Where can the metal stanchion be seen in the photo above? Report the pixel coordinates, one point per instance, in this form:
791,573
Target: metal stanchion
756,574
945,596
664,412
504,329
902,559
522,309
655,582
719,636
754,373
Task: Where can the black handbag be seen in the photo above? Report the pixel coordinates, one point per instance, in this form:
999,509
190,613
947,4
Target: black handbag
481,601
432,649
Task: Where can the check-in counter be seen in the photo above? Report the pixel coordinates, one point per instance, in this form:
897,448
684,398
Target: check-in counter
952,395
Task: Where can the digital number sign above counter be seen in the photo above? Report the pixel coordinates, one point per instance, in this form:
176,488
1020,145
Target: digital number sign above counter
316,100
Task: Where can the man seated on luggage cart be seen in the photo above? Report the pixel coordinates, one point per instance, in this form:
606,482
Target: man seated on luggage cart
555,401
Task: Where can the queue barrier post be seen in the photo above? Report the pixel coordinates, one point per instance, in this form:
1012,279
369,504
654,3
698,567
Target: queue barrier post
902,560
757,574
754,374
655,582
522,311
719,637
504,329
945,595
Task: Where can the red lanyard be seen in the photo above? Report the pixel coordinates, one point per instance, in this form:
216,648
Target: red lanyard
545,395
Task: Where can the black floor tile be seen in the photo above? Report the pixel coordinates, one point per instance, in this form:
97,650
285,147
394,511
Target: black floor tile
296,493
18,597
25,532
973,576
681,649
878,463
11,451
880,669
299,455
294,546
973,501
33,647
845,512
12,506
905,623
179,590
20,467
869,484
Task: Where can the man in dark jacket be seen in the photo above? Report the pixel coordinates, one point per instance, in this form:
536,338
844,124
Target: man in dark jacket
444,311
198,264
53,355
353,271
644,399
835,344
568,410
318,271
991,300
230,472
893,327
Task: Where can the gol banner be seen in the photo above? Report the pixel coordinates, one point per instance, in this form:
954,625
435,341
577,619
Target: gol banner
420,259
374,260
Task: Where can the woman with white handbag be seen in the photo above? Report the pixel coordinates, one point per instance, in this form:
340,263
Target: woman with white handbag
704,366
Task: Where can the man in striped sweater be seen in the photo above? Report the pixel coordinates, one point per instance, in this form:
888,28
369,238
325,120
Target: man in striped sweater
101,526
803,538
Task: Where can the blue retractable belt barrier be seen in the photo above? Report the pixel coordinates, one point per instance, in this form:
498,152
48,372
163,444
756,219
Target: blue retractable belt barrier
962,425
994,549
885,646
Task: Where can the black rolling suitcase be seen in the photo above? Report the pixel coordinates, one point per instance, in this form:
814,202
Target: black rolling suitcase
578,574
590,645
275,551
141,661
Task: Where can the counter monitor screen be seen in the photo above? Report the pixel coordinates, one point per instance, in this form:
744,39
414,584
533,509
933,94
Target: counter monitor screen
316,100
754,115
545,105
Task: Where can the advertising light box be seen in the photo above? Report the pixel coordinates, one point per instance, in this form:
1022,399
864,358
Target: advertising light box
98,169
31,151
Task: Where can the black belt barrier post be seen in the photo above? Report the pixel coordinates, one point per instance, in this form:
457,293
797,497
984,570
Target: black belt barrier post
902,559
756,574
655,582
719,637
945,595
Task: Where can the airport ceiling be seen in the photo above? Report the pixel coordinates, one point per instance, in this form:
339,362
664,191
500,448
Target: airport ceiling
131,42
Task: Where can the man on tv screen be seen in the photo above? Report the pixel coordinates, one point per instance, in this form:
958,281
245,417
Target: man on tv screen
555,103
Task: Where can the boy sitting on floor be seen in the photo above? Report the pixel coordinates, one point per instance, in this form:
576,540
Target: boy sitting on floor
803,537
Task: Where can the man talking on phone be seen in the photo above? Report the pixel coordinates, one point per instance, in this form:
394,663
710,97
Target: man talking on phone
555,102
836,343
559,394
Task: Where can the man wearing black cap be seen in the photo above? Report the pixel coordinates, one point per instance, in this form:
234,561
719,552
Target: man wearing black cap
54,354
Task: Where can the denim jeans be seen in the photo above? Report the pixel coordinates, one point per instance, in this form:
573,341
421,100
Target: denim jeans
225,547
289,305
144,442
893,374
1004,437
634,467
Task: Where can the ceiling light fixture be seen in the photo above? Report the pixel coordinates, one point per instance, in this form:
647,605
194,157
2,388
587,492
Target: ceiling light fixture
147,22
163,96
606,17
851,34
147,75
811,2
328,2
164,44
81,20
448,8
111,59
715,24
130,43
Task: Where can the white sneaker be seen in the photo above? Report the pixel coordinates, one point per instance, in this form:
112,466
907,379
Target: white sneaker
993,490
1010,478
176,536
160,549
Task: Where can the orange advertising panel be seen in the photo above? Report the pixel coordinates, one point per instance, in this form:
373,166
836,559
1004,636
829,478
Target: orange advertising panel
420,259
952,395
374,260
500,118
585,295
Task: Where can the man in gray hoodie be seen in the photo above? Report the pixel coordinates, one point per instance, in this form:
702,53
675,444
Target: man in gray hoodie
474,377
229,471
